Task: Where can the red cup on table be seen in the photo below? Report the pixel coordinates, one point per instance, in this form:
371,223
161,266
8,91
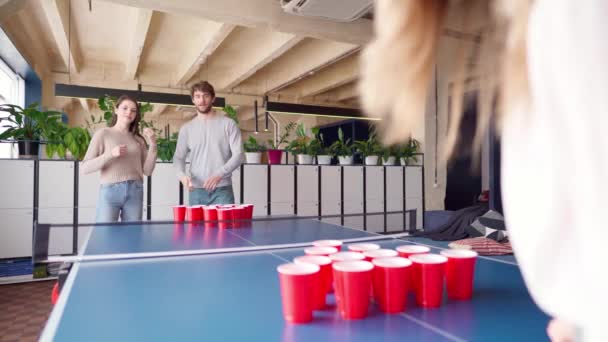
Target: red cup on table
210,213
459,273
407,250
179,213
238,215
297,286
390,278
328,243
429,272
323,281
363,247
248,211
346,256
324,251
194,213
353,280
379,253
224,215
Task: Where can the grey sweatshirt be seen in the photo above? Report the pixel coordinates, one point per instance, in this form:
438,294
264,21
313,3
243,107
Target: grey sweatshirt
215,148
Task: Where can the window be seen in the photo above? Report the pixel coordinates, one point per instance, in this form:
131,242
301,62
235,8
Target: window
12,91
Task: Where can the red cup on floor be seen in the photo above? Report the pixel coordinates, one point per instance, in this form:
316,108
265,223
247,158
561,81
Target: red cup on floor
224,215
324,251
429,271
297,286
179,213
353,280
380,253
328,243
194,213
323,281
363,247
407,250
390,278
459,272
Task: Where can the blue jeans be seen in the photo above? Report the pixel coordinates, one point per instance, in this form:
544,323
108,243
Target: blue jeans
124,199
221,195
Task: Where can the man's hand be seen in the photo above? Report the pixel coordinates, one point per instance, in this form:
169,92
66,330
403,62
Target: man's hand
119,150
211,183
187,182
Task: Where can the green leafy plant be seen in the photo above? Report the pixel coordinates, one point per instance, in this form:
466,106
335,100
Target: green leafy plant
28,123
108,103
389,151
252,145
341,147
166,147
409,150
231,113
302,144
283,138
369,147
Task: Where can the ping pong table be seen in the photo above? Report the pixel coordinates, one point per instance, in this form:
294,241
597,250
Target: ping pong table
161,282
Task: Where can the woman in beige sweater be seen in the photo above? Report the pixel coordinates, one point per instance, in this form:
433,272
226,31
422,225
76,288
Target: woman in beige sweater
120,153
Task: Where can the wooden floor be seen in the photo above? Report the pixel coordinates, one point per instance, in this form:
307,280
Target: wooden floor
24,310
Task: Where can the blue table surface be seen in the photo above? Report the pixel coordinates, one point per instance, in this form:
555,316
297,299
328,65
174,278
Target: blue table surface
139,238
227,297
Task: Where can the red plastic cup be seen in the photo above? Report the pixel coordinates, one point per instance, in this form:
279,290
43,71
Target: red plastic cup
179,213
210,213
323,281
407,250
353,281
248,211
194,213
324,251
238,215
346,256
55,294
297,285
429,271
224,215
459,273
363,247
328,243
390,278
380,253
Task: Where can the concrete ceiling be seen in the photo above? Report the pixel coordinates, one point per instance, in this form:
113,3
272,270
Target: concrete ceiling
245,48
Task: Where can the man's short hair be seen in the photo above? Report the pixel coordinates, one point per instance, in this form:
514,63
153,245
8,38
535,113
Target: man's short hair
202,86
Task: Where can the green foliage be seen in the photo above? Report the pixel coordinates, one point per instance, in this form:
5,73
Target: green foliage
28,123
166,147
231,113
252,145
409,150
341,147
283,138
303,143
389,151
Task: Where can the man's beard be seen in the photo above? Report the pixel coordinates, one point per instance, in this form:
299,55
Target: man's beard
206,110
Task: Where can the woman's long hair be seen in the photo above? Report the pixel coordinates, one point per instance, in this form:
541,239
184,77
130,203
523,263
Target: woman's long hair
397,66
134,126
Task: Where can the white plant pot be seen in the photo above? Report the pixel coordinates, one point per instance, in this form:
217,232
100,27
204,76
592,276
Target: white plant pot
371,160
324,160
253,157
304,159
389,161
345,160
403,161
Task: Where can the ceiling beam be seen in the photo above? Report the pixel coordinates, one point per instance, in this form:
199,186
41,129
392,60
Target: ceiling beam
346,92
142,24
332,77
157,111
263,53
57,15
201,51
262,13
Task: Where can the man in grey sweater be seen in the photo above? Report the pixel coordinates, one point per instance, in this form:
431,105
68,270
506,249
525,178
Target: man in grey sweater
213,141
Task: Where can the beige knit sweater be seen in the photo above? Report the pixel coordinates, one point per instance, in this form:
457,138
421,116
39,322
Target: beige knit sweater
137,162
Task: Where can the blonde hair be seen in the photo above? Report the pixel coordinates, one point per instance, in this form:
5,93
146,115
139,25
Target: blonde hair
397,66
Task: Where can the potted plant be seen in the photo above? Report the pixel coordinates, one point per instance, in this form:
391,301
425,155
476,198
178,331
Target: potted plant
342,149
274,153
389,155
321,151
166,147
253,150
303,146
408,151
370,149
28,126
